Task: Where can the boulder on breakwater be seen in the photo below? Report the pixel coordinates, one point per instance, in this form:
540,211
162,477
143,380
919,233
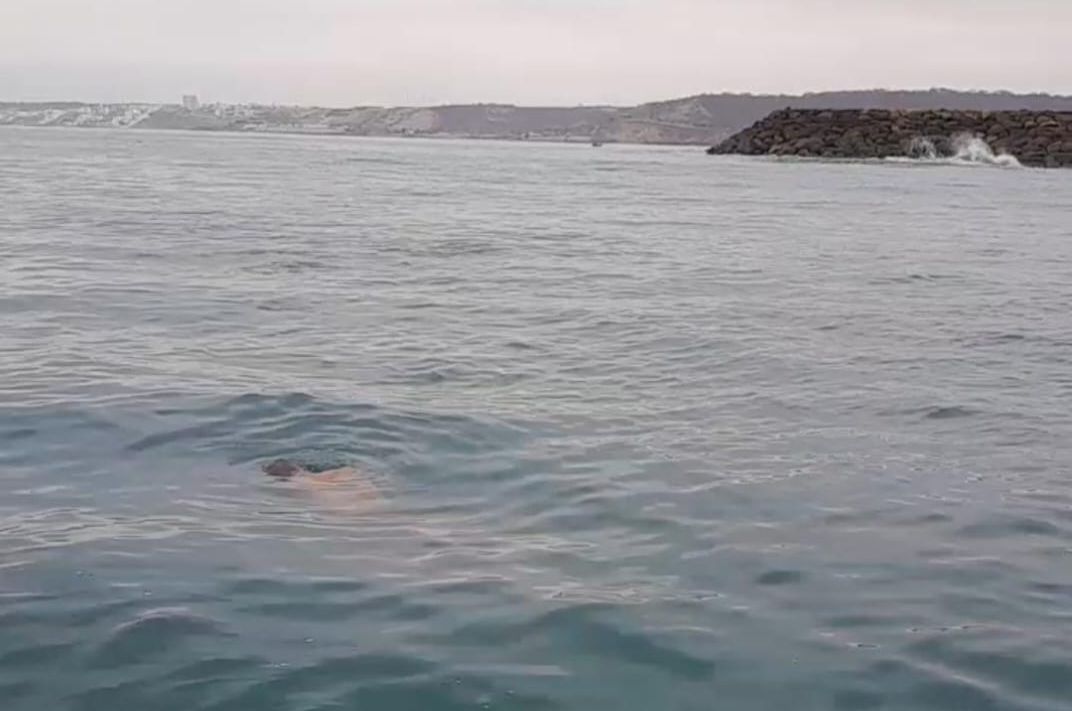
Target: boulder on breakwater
1036,138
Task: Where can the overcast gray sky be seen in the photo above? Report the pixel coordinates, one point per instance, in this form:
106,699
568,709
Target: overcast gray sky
350,52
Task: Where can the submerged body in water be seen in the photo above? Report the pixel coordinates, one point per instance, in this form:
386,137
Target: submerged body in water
340,486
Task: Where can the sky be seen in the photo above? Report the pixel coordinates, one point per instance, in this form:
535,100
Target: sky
531,52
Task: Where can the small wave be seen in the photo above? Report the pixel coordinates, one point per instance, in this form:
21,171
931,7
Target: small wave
322,434
936,412
780,577
595,628
1002,526
152,632
912,278
948,413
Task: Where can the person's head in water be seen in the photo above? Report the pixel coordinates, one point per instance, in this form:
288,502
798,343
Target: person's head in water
283,469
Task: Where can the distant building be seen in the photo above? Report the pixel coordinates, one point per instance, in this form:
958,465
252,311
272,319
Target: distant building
190,102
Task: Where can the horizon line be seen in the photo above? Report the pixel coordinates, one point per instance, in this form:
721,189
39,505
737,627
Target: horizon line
507,104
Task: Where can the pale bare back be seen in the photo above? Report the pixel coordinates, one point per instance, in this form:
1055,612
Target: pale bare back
345,487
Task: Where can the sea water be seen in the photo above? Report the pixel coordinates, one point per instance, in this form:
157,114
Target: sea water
649,429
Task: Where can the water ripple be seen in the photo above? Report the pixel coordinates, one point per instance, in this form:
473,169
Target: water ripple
776,434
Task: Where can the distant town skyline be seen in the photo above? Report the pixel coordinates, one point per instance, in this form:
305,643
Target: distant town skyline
194,103
526,52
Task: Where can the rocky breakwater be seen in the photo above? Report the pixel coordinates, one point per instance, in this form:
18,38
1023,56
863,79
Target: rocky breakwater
1036,138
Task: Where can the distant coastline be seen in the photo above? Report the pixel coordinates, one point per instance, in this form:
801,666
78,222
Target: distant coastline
703,120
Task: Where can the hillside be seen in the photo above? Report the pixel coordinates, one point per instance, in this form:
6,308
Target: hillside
698,120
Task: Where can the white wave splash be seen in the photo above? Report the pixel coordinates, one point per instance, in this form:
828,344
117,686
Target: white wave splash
923,149
964,149
972,149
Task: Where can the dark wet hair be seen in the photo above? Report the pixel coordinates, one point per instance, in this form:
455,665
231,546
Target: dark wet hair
282,468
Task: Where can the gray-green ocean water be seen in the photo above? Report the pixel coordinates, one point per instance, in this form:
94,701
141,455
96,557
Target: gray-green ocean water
652,430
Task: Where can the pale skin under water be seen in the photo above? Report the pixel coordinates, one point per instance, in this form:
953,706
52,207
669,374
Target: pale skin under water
343,488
